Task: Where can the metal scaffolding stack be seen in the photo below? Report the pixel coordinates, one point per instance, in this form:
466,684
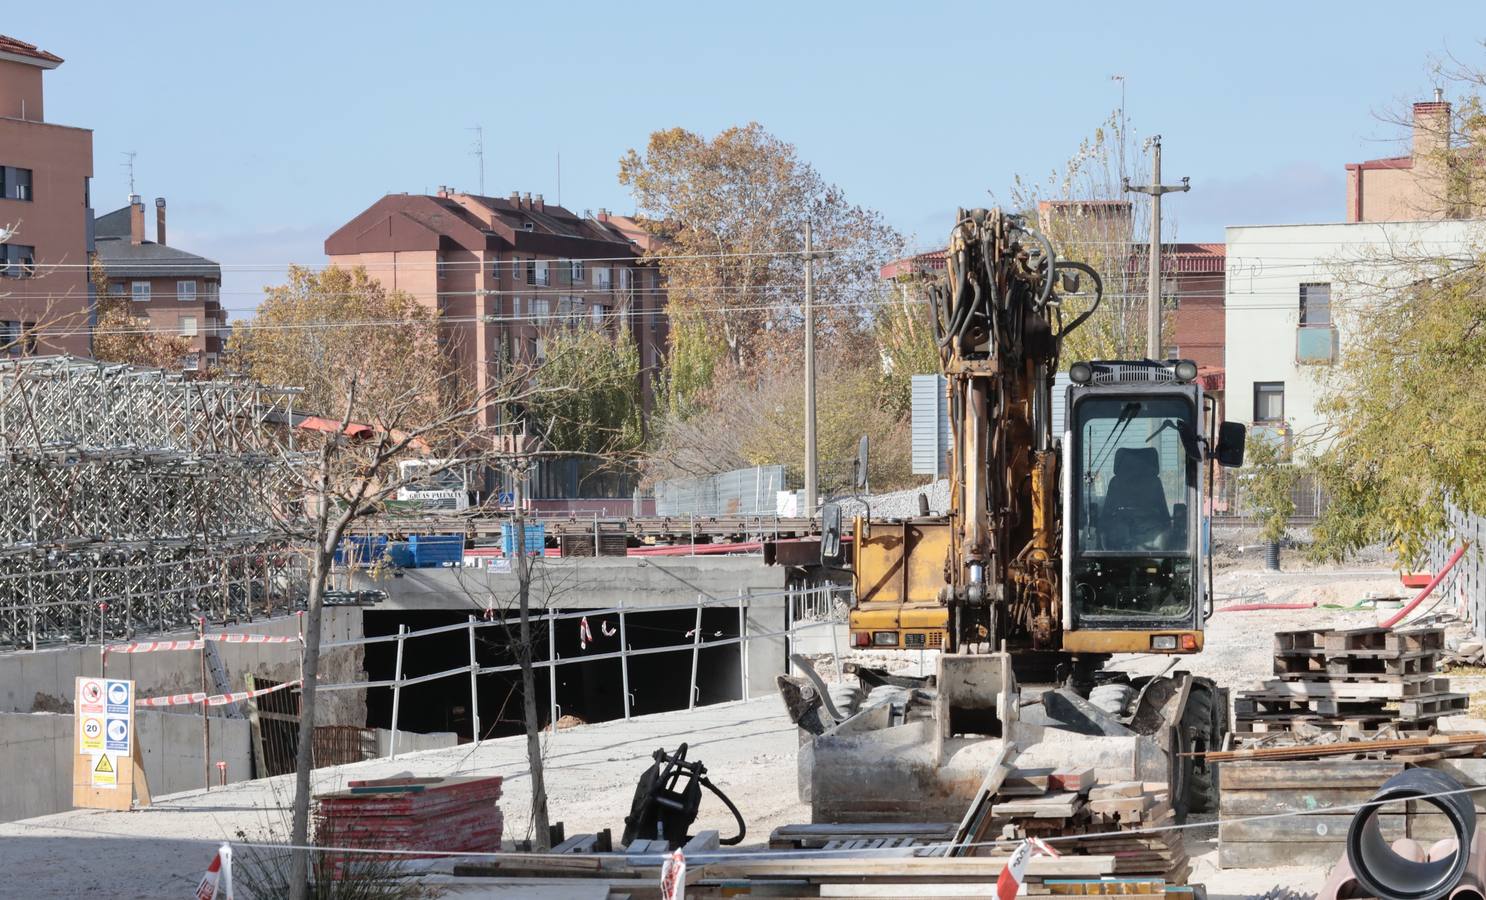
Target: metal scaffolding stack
135,499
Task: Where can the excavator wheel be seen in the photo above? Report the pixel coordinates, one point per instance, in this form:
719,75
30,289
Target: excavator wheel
1200,731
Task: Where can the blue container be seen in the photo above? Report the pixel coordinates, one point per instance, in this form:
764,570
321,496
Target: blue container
536,538
434,550
361,550
400,553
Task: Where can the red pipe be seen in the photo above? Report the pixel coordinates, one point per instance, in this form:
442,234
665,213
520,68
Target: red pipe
1429,588
1251,607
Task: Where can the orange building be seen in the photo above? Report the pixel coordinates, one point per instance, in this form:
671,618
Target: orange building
45,219
1414,187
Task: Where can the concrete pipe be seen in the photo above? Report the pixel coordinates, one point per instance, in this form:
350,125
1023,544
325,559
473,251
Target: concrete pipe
1383,872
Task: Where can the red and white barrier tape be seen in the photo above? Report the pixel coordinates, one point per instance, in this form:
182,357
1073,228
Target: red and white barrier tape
211,699
196,643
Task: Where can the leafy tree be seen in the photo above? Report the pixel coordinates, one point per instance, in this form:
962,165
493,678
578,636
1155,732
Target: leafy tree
322,330
594,405
903,329
732,210
122,337
1407,433
1269,479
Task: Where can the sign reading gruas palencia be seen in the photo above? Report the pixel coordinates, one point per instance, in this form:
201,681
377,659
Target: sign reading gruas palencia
741,492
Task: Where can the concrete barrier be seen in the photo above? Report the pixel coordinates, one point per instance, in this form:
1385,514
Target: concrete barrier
36,752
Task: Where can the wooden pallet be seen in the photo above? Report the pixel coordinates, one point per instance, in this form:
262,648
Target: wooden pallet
1443,704
1383,641
1316,665
1279,722
1406,687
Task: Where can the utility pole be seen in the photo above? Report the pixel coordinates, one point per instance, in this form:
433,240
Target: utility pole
1153,348
810,458
543,840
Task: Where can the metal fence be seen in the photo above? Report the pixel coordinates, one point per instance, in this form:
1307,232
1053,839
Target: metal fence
821,607
1464,590
1232,502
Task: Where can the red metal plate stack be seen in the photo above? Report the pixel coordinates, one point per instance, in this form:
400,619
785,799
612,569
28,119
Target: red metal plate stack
435,815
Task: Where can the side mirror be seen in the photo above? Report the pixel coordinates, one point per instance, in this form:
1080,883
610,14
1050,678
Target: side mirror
830,533
859,467
1229,452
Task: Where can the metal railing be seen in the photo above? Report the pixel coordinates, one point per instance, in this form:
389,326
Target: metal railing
805,609
1464,589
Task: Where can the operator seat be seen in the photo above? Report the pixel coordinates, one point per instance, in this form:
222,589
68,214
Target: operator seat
1135,515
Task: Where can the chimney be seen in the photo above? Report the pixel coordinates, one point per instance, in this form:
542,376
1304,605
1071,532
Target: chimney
516,199
1432,126
136,219
540,205
603,214
444,191
160,221
526,200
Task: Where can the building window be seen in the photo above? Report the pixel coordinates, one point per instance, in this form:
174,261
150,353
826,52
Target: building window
1315,305
188,326
1269,401
15,183
539,309
441,267
139,291
601,277
539,269
185,291
599,311
577,271
17,261
515,270
625,278
531,271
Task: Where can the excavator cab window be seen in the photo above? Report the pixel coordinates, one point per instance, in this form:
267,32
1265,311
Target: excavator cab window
1136,465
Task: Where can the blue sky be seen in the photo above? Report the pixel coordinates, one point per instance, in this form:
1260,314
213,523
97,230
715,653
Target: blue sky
267,125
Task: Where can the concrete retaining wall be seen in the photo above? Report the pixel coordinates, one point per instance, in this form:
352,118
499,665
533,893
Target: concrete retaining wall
409,742
42,681
36,752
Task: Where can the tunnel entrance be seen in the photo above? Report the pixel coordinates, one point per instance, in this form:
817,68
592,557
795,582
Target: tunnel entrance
590,691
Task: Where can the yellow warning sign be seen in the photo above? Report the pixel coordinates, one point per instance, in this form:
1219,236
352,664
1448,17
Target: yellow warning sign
92,734
104,775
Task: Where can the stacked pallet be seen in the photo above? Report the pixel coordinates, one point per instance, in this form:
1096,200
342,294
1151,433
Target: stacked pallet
441,814
1121,821
1361,678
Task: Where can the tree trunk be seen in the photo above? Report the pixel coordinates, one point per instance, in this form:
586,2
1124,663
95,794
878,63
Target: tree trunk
304,757
529,680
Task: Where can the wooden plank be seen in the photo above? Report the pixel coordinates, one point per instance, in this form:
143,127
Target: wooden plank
1117,790
1314,774
1334,689
1026,783
1076,780
1233,803
1049,806
1330,829
1269,855
904,868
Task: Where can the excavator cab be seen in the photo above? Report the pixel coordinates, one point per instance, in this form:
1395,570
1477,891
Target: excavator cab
1137,447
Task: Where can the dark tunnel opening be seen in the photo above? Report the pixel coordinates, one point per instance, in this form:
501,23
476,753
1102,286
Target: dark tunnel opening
590,691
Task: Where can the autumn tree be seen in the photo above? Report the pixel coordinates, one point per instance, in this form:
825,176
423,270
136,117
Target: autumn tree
121,336
323,330
732,210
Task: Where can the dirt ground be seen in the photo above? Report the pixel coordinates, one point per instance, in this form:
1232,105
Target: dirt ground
749,749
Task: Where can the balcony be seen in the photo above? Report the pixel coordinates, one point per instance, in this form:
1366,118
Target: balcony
1316,345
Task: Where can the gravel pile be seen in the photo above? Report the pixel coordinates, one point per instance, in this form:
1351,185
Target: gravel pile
901,504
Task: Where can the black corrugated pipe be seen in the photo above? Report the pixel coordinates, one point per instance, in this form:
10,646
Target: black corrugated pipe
1384,873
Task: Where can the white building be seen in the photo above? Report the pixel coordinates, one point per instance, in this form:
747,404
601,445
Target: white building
1282,281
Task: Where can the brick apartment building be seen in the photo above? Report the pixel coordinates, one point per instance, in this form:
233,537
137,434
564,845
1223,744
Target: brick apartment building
1412,187
169,289
504,271
44,197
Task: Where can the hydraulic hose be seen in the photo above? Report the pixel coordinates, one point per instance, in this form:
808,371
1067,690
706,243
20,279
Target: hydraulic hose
1383,873
742,828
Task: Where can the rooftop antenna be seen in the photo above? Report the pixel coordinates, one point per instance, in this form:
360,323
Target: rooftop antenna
559,178
478,151
128,163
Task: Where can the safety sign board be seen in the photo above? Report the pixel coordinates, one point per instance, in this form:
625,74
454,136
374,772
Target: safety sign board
118,697
105,772
92,734
90,694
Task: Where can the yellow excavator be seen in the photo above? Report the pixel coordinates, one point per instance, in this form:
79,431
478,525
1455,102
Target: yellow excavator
1064,543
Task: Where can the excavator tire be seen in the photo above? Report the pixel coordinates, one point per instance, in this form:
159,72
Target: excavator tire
1199,732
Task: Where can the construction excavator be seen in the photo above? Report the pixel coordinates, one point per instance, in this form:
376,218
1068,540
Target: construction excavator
1064,544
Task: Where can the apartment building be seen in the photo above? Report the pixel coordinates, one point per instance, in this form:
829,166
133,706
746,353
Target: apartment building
45,219
1286,285
1415,186
170,289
